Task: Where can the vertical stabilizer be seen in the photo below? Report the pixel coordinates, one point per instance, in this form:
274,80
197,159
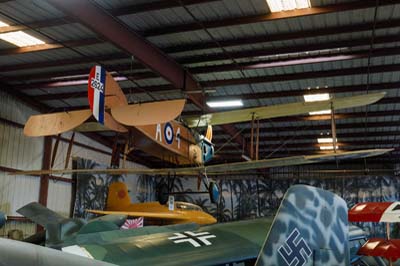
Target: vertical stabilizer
118,197
310,228
96,92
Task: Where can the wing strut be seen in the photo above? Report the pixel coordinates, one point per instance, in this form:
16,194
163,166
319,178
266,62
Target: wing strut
54,153
252,138
333,128
70,143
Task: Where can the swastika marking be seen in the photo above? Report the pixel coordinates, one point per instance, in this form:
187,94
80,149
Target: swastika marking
295,251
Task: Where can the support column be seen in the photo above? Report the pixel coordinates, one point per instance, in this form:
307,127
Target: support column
44,179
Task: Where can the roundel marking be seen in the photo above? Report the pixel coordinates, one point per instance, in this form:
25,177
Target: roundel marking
168,133
121,194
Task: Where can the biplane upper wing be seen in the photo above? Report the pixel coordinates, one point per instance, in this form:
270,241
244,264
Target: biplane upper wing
148,113
388,212
272,111
221,168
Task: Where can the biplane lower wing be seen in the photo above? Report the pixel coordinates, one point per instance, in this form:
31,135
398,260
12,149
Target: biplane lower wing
55,123
152,215
380,247
280,110
221,168
148,113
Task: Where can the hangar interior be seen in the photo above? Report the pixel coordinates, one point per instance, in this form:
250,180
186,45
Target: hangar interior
202,51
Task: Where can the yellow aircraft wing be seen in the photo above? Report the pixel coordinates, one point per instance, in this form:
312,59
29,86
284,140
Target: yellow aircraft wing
155,215
148,113
219,169
272,111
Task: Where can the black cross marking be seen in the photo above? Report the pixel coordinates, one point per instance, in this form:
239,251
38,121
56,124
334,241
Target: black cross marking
196,239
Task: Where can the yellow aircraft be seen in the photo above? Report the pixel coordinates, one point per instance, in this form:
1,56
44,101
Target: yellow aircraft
119,202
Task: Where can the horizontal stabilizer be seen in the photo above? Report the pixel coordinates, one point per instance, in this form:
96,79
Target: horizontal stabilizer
220,168
148,113
280,110
41,215
55,123
380,247
388,212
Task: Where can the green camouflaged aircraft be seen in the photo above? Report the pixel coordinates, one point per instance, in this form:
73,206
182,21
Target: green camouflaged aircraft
310,228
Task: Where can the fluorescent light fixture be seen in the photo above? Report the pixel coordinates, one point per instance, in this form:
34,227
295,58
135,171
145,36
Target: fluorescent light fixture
325,140
323,112
232,103
285,5
316,97
20,39
324,148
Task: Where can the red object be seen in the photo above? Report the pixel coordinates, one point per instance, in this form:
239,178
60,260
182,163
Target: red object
380,247
133,223
121,194
368,211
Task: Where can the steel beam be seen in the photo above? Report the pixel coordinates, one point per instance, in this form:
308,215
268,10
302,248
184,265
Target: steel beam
239,81
270,63
242,41
121,11
318,10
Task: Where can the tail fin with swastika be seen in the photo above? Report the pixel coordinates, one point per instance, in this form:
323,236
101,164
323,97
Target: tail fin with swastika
310,228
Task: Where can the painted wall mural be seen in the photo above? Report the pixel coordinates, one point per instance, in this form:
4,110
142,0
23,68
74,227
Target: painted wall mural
241,199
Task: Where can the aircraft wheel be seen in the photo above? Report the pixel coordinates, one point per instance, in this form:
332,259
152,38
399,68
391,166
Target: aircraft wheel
162,193
214,192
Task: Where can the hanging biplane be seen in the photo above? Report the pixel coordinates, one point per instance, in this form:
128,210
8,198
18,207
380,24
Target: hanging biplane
152,129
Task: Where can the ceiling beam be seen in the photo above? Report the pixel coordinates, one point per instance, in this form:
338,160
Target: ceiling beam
279,37
306,58
242,41
227,22
250,96
121,11
240,81
303,75
47,46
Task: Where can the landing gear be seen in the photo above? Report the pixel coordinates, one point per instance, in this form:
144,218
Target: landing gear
214,192
162,193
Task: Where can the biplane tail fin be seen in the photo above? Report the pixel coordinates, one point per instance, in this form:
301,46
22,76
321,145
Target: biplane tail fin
97,92
310,228
118,196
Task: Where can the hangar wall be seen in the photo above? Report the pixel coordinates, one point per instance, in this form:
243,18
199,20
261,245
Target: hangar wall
20,152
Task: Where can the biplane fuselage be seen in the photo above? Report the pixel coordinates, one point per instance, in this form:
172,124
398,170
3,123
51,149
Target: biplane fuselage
170,141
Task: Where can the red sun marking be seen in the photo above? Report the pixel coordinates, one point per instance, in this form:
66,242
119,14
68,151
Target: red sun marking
121,194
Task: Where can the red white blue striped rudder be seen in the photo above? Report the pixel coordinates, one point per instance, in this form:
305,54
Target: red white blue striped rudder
96,92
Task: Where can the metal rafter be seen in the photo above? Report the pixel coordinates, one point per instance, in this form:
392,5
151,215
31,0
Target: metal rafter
122,11
237,81
307,58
